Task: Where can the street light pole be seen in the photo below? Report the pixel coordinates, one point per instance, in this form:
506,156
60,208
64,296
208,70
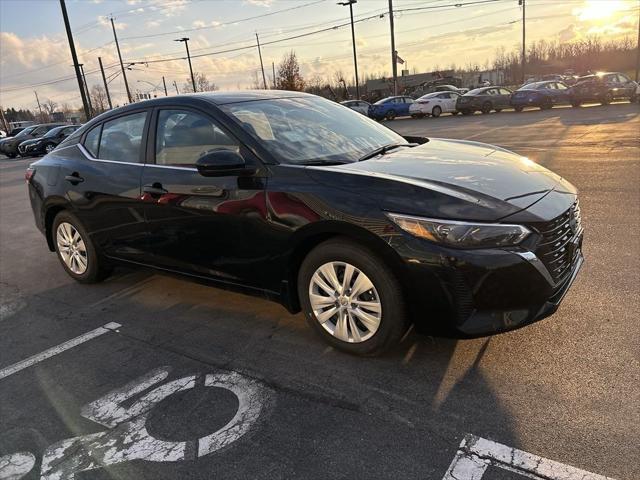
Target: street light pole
264,78
176,85
164,84
353,39
186,44
394,65
39,107
84,79
524,45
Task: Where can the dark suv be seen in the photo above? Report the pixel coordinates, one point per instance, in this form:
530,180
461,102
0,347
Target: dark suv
602,88
10,146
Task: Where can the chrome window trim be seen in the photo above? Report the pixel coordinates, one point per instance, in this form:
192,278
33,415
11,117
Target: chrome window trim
87,154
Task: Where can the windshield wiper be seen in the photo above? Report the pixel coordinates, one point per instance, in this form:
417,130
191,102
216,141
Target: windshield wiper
323,162
384,149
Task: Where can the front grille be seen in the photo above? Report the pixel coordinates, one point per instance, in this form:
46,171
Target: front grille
555,250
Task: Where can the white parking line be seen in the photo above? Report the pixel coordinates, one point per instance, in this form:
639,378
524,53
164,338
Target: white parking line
28,362
476,454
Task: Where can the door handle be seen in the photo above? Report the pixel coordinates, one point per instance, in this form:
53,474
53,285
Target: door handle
154,189
74,178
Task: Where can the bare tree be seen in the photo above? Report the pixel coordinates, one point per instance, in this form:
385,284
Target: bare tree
202,84
288,76
256,83
99,99
49,106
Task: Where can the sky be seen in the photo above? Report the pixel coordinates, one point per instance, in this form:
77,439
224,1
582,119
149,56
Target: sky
35,55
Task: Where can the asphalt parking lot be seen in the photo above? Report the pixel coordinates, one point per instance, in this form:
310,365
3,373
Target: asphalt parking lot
170,379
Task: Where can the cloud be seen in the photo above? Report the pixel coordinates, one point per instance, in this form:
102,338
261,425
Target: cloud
153,23
106,22
260,3
568,34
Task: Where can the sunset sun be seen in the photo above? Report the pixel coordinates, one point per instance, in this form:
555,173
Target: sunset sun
595,10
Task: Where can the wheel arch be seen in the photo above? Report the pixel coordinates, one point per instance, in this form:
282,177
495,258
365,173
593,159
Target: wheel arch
50,212
313,235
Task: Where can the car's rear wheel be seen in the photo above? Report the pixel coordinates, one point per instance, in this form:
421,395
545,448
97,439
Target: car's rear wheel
575,103
466,112
518,109
486,107
76,250
498,110
49,147
436,112
391,114
10,155
351,298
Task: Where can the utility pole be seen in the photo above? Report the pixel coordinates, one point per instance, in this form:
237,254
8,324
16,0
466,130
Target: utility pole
524,45
186,44
106,86
394,65
124,75
273,68
638,52
74,57
84,79
164,84
176,85
39,107
353,39
264,78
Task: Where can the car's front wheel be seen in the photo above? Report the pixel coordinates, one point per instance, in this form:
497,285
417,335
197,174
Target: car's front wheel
391,114
435,113
351,298
49,147
486,107
76,250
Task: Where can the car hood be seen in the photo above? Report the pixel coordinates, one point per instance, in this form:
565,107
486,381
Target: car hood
468,170
30,141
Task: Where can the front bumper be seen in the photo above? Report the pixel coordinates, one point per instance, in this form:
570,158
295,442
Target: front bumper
471,293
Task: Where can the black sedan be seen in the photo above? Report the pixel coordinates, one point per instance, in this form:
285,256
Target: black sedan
543,95
46,143
602,88
484,99
299,199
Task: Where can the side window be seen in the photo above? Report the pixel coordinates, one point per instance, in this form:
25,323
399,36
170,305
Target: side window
67,131
561,86
504,91
92,140
182,137
623,78
121,138
39,131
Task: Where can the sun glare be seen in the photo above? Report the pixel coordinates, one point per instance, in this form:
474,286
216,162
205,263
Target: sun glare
594,10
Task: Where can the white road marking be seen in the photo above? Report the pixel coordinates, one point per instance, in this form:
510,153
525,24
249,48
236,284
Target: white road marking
28,362
16,465
476,454
128,438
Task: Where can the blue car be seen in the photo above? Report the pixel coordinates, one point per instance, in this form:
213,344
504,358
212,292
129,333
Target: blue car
543,95
390,108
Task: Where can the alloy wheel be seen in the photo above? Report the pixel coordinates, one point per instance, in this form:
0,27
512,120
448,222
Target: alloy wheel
49,148
72,248
345,302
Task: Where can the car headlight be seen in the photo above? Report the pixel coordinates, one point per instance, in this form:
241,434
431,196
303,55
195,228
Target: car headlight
461,234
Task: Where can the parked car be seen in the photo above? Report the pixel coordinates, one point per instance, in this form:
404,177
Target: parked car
390,108
602,88
46,143
359,106
543,95
9,146
434,104
451,88
636,95
484,99
361,229
3,134
15,131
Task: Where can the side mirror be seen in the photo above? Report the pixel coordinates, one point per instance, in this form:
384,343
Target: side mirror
222,162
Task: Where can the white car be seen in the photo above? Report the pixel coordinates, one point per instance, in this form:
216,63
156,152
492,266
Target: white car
434,104
359,106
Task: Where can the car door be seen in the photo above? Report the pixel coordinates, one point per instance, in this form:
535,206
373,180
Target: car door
101,178
627,87
448,101
504,97
200,225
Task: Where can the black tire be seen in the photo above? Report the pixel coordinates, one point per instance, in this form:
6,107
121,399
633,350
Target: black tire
607,99
518,109
546,106
435,113
466,112
575,103
498,110
391,114
48,148
486,108
633,99
10,155
455,112
393,322
97,268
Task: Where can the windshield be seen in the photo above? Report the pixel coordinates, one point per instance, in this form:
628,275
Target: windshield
26,131
311,129
476,91
430,95
53,132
